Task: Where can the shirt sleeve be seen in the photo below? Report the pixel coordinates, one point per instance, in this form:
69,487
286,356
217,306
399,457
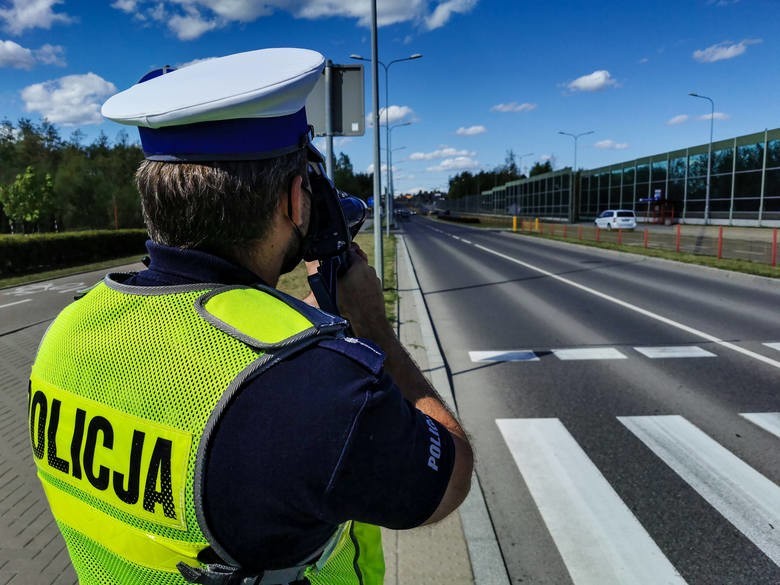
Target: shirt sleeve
395,466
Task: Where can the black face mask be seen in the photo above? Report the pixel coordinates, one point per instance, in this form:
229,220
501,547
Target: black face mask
295,250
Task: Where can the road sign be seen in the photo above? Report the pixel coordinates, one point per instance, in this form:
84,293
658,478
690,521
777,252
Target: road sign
348,108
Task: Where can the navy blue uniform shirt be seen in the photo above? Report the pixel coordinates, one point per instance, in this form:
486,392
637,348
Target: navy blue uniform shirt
322,437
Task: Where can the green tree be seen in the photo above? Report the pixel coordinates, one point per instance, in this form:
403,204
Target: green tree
540,168
28,198
357,184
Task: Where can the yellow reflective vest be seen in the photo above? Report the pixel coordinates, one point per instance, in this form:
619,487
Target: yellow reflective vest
126,384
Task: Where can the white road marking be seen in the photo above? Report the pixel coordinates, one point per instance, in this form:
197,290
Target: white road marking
769,421
15,303
773,345
747,499
520,355
679,351
640,310
589,353
600,540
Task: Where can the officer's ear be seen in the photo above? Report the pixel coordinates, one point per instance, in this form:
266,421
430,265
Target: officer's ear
295,202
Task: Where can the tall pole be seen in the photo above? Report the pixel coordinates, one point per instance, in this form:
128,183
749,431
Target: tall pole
390,188
576,137
389,202
709,157
520,158
378,256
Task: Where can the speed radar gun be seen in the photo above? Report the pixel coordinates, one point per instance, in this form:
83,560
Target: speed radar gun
336,218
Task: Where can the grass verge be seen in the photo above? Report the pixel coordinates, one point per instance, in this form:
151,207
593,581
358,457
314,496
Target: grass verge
744,266
296,284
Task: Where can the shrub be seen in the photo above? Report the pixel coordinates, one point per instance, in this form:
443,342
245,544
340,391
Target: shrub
21,254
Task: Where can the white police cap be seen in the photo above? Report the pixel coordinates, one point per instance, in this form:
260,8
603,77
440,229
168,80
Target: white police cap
244,106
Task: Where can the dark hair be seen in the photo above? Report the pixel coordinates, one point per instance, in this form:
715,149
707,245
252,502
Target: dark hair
214,205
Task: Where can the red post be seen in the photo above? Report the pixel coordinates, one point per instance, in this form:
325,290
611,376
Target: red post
564,231
720,242
647,237
598,234
579,232
677,243
774,247
620,237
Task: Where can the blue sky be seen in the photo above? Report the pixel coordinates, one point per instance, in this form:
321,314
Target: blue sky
495,75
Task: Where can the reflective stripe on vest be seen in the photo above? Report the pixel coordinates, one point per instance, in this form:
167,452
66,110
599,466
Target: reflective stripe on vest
118,404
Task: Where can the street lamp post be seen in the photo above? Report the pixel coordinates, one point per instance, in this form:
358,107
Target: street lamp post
389,205
709,157
576,137
520,159
390,187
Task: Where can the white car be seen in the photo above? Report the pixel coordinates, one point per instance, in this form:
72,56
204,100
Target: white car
617,219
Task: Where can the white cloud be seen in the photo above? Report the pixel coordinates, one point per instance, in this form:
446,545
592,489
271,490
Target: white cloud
595,81
14,55
471,130
71,100
392,114
723,51
715,116
128,6
679,119
611,145
458,163
446,152
513,107
27,14
51,55
189,19
191,25
444,11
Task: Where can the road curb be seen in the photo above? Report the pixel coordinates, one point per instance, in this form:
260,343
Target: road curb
487,563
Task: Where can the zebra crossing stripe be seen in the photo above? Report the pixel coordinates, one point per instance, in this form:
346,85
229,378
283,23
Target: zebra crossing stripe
600,540
769,421
678,351
520,355
747,499
589,353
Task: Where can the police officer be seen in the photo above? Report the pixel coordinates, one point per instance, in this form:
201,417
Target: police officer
190,422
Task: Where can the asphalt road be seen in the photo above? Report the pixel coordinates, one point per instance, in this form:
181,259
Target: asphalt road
625,410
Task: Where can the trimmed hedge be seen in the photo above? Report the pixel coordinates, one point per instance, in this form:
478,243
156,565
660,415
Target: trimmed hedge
24,254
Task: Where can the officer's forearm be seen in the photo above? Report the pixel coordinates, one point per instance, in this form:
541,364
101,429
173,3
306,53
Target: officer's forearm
413,384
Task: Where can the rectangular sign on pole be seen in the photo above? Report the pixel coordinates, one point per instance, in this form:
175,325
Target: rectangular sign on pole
348,108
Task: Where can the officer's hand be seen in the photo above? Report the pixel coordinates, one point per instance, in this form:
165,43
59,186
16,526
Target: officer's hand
360,297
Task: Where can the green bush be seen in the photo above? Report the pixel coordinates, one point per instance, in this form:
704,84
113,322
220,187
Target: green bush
22,254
